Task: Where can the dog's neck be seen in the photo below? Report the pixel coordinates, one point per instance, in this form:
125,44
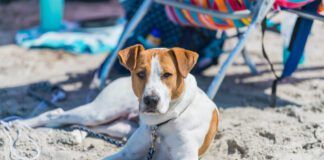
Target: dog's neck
177,106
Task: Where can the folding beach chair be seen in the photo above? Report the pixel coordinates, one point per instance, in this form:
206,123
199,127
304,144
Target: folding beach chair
250,14
257,12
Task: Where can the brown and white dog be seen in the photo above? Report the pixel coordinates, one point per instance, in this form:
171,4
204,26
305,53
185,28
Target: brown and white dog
166,95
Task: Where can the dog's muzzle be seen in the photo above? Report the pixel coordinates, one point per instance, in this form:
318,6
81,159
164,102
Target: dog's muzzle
151,102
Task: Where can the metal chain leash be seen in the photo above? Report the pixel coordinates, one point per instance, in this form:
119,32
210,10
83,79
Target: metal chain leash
118,143
154,137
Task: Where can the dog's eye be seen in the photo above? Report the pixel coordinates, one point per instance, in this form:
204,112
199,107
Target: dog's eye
166,75
141,74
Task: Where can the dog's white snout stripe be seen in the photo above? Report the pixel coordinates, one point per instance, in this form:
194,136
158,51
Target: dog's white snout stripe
154,78
156,87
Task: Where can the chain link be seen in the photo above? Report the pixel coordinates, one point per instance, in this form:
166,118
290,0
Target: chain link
154,137
118,143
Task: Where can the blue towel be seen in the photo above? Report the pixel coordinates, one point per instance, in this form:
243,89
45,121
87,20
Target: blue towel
72,39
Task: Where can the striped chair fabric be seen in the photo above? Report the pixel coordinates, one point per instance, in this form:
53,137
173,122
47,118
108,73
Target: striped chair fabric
188,18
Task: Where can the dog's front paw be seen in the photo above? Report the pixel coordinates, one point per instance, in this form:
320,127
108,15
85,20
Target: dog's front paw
79,135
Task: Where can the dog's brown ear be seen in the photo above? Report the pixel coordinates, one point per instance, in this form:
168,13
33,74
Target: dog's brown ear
128,56
186,60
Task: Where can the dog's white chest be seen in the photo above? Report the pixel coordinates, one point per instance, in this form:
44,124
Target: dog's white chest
189,130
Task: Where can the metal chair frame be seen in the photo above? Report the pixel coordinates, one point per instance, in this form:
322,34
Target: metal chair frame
257,12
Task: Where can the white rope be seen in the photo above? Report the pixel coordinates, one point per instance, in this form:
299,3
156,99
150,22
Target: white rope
12,143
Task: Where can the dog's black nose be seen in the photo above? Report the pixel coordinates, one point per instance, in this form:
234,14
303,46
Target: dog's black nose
151,101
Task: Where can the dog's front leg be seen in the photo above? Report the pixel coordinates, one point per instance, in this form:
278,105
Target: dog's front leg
42,119
136,147
180,147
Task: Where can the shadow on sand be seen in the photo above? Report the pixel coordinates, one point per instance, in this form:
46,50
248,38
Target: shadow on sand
233,93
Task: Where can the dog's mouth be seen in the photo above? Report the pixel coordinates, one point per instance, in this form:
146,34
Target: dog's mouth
151,113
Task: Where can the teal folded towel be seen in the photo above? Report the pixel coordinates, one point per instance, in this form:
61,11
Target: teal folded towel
72,39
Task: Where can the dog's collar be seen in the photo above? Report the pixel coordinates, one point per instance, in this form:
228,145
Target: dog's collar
163,123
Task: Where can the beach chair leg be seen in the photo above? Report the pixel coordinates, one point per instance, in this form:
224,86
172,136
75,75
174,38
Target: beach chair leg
249,62
247,58
214,86
108,63
263,8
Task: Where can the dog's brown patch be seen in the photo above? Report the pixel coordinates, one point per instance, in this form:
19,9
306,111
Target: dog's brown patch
128,57
213,127
185,59
175,82
143,65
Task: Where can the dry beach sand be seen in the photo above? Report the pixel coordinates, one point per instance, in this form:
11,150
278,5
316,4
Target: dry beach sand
249,128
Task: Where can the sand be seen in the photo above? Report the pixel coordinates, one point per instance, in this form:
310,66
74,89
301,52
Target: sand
249,127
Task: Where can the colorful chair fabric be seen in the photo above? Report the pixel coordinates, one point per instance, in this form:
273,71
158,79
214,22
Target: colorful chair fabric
291,3
191,18
320,9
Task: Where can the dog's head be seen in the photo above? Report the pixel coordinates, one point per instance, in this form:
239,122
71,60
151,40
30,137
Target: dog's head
157,75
